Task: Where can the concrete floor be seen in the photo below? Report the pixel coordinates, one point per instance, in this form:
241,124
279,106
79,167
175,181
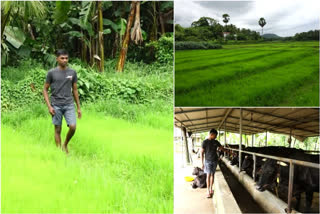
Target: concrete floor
186,199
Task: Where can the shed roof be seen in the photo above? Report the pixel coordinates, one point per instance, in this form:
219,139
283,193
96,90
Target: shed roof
302,122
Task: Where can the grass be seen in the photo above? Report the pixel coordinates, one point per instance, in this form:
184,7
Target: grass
267,74
121,157
114,166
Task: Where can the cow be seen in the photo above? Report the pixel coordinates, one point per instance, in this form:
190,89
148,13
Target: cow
200,180
305,179
247,164
233,155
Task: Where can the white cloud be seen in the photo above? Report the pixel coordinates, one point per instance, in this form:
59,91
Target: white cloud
284,17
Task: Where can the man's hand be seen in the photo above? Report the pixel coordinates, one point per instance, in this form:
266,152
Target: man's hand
79,114
52,111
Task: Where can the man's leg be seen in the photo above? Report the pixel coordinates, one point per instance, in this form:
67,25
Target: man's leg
72,130
57,135
70,117
208,183
211,182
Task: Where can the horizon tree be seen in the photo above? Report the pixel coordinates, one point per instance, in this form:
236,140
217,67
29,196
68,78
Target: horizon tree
226,18
262,22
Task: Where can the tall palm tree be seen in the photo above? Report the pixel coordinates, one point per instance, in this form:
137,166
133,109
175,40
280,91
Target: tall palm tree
226,18
262,22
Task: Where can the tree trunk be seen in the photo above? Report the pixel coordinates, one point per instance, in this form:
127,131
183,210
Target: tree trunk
101,66
154,29
187,156
125,43
161,20
115,45
136,34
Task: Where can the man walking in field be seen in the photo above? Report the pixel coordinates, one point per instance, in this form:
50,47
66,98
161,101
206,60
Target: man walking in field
62,80
209,150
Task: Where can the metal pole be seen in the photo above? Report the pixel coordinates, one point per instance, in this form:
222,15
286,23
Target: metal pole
254,168
290,137
252,138
184,131
240,145
225,134
291,173
315,145
266,143
245,140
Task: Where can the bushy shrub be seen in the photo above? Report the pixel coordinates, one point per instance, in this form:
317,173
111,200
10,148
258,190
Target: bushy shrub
163,49
186,45
140,84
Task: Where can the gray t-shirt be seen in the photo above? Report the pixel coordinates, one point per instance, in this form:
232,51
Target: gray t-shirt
61,82
210,149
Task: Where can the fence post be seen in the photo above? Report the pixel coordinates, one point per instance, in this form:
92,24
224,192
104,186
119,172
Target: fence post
291,174
240,145
254,168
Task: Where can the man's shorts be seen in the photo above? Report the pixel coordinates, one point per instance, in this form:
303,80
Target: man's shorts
210,167
68,111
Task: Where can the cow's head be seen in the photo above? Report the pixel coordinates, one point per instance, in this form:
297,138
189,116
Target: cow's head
268,174
247,162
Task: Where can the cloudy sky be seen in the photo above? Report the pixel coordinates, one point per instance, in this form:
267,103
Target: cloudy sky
283,17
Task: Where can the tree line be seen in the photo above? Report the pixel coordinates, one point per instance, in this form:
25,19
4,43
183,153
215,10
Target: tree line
209,29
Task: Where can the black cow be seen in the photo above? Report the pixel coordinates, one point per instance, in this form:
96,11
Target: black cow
305,179
233,155
247,164
200,180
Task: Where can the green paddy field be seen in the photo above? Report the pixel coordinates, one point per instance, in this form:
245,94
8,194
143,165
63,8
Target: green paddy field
263,74
114,165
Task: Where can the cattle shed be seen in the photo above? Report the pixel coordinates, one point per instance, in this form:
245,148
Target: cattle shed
299,123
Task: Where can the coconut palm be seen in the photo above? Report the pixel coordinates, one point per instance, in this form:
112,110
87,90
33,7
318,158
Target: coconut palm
226,18
262,22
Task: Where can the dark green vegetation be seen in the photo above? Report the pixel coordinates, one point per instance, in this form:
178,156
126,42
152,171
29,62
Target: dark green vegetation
37,29
120,158
267,74
209,29
196,45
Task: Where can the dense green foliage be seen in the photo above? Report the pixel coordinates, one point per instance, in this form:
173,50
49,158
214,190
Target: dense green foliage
188,45
142,83
42,27
267,74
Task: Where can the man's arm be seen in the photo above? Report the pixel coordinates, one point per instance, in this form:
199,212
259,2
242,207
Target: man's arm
46,98
76,98
202,157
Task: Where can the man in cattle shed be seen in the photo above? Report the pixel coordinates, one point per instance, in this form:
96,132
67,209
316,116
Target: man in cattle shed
209,150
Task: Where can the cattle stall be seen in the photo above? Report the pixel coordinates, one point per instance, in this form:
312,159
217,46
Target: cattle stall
296,123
